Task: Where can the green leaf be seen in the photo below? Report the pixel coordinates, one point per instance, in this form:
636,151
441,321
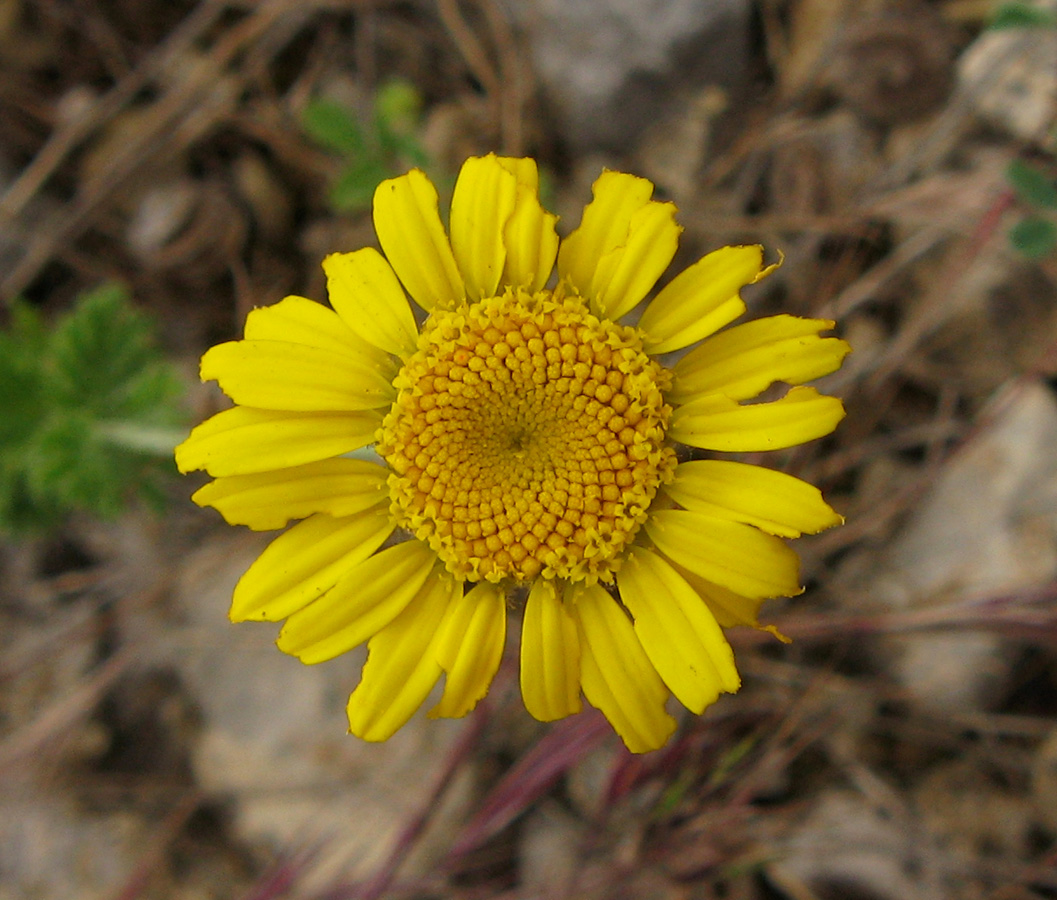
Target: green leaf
98,349
27,328
332,126
66,468
398,107
22,387
151,396
71,464
405,151
1021,15
353,191
1032,185
1034,237
84,411
19,513
386,145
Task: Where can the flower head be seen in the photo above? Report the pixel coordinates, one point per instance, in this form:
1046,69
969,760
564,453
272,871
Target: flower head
527,449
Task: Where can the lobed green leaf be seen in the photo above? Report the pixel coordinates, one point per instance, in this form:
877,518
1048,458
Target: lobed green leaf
1033,237
332,126
1031,184
1021,15
82,406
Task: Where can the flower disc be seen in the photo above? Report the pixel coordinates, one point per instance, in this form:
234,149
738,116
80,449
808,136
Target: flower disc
527,439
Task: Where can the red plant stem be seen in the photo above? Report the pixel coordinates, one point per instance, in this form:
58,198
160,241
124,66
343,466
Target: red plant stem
169,828
562,747
380,883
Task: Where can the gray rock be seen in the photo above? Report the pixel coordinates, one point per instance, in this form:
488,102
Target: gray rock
274,739
1010,77
49,848
847,846
986,528
609,67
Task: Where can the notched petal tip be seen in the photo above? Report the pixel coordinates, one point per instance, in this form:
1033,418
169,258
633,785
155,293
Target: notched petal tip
550,655
717,422
767,270
211,365
400,671
185,461
701,299
772,501
469,647
678,631
367,296
482,204
616,675
407,222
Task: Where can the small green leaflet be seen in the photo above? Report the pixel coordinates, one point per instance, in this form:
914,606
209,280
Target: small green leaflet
1021,15
1033,187
386,144
1034,237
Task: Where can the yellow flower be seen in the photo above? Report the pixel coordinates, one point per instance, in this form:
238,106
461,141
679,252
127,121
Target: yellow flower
527,453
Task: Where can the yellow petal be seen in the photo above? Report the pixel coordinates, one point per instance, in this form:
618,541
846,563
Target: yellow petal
617,676
734,555
550,655
678,632
524,169
481,206
411,234
531,243
716,422
627,273
305,561
295,377
745,360
401,670
242,440
297,320
604,228
268,500
729,608
772,501
469,647
368,597
367,296
701,299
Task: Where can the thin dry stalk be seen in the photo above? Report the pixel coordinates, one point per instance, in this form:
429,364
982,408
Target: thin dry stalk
58,718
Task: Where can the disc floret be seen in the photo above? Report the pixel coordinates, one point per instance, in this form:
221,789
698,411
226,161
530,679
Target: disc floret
527,438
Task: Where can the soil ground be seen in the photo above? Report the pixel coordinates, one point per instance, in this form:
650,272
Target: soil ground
904,745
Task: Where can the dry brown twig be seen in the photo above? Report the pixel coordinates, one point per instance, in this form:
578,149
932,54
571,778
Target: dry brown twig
505,81
194,99
56,719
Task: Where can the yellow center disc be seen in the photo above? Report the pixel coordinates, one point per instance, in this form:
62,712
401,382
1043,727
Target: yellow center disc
527,438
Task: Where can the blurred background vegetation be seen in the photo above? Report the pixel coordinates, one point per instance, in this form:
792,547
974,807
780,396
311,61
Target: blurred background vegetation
166,166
